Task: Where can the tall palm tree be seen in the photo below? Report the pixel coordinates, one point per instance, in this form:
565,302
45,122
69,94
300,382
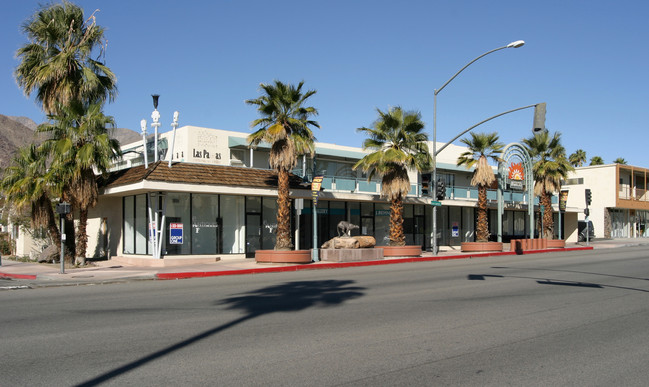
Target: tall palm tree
620,160
482,148
25,185
596,160
578,158
550,167
398,143
57,63
285,124
79,144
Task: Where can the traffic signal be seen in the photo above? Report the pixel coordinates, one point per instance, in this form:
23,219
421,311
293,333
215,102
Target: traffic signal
539,118
441,189
425,184
589,198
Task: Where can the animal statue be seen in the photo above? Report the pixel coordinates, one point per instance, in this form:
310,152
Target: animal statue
345,228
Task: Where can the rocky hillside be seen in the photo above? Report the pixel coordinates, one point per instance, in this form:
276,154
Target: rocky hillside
16,132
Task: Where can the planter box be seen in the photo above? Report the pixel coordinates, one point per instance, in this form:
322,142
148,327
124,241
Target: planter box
556,243
280,256
520,245
351,255
481,246
400,251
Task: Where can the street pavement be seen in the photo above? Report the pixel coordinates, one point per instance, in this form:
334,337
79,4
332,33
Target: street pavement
14,274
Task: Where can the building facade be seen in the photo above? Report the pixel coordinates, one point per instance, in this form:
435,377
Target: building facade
620,203
217,197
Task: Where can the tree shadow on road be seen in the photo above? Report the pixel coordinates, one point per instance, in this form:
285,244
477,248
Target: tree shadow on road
286,297
551,281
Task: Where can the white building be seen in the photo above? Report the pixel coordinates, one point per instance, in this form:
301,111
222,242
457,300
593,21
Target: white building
620,203
218,198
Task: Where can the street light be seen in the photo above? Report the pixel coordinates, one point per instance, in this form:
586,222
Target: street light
515,44
155,116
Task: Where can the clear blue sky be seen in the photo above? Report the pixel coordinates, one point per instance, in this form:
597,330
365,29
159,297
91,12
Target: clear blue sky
587,59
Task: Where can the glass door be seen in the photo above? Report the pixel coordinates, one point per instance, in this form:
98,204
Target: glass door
253,234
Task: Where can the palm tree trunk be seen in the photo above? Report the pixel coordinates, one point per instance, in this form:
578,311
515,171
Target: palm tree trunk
283,241
482,228
43,215
548,219
70,243
82,237
397,237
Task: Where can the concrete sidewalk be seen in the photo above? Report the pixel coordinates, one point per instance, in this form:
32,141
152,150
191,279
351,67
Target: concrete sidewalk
15,274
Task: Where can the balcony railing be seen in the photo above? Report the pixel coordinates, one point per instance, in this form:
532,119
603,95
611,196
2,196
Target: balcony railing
629,193
360,185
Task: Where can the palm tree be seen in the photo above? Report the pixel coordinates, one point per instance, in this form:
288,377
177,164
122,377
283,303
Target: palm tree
57,62
620,160
79,144
285,124
596,160
398,143
550,167
482,147
25,185
578,158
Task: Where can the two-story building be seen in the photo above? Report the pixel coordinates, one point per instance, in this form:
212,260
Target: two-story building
217,197
620,203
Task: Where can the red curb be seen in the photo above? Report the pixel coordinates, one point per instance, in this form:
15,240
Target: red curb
18,276
337,265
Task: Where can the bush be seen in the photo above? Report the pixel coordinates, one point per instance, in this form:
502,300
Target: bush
5,244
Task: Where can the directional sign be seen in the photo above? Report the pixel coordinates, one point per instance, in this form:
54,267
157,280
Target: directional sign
435,203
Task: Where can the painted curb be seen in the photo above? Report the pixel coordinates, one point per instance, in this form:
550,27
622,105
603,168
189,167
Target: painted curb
337,265
18,276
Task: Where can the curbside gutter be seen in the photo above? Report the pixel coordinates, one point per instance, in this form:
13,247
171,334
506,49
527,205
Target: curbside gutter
336,265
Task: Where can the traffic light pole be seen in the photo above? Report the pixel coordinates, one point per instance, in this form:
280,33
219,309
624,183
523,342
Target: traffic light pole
587,213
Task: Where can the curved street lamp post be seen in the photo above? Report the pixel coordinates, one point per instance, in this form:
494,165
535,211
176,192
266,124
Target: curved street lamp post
515,44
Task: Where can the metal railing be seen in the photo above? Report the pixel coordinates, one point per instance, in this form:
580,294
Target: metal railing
361,185
627,192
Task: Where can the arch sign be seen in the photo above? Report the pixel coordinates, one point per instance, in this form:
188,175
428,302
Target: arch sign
515,174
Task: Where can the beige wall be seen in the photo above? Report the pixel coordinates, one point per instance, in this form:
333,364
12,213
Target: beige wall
110,209
570,226
602,182
27,246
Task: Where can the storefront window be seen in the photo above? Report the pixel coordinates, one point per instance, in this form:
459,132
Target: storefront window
232,215
129,225
354,209
382,224
178,214
336,214
206,224
141,226
269,222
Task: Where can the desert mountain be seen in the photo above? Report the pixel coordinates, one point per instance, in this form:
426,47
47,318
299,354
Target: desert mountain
16,132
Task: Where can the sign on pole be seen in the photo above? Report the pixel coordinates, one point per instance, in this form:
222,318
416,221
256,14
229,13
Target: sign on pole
315,188
436,203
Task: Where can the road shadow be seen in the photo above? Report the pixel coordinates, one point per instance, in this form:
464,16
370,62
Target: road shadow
573,271
550,281
282,298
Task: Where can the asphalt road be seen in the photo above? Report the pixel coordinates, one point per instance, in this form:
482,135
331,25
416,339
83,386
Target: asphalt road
578,318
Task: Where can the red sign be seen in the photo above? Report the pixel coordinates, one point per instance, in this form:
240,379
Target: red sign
516,171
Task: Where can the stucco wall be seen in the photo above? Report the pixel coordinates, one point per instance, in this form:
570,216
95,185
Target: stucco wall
105,240
601,180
